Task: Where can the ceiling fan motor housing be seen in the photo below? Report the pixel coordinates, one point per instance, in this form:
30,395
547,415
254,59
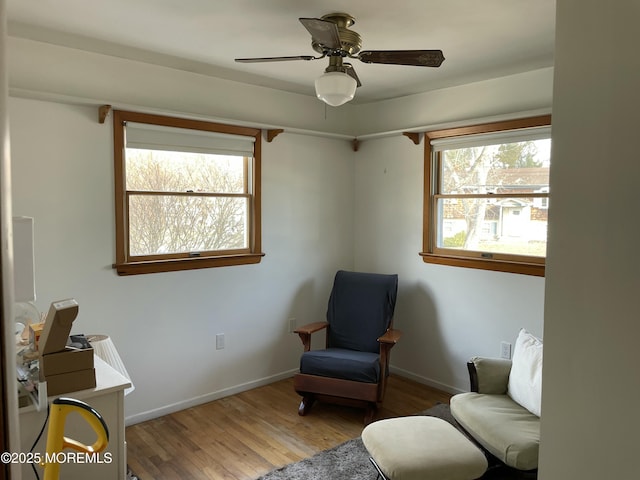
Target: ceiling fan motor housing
350,41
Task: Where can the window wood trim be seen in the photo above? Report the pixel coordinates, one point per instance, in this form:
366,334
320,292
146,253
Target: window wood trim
429,252
172,265
125,265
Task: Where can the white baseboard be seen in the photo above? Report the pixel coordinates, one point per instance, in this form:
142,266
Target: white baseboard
425,381
208,397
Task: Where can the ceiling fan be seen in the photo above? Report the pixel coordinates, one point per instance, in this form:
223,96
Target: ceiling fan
331,37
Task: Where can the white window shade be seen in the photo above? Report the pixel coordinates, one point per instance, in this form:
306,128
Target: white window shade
494,138
157,137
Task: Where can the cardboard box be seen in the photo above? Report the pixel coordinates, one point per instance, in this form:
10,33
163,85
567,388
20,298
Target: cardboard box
35,331
57,326
69,360
71,381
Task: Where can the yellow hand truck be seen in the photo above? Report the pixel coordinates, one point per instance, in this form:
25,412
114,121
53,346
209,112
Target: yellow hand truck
57,442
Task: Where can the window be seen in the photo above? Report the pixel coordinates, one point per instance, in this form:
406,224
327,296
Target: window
187,194
487,196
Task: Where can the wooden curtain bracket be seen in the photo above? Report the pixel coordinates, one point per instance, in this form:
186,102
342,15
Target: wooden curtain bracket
413,136
271,134
355,144
103,112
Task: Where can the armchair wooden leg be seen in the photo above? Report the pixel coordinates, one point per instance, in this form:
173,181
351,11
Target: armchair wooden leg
372,408
306,404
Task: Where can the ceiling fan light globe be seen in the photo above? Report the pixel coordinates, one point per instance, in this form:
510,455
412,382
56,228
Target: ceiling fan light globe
335,88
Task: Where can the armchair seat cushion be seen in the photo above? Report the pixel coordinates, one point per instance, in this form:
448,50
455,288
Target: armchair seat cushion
342,363
503,427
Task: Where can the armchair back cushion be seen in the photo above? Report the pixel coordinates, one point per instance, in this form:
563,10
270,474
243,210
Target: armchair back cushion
360,310
490,375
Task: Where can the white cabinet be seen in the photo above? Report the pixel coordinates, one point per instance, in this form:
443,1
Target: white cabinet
108,399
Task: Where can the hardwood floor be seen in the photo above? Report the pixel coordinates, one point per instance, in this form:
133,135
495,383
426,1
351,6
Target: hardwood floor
246,435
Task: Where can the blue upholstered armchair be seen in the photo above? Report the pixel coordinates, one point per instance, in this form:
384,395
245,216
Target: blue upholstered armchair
353,367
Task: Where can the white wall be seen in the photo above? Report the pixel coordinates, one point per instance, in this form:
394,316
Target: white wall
523,92
164,324
447,314
591,382
52,71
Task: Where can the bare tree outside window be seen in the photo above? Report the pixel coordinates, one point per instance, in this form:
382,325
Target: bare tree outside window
206,219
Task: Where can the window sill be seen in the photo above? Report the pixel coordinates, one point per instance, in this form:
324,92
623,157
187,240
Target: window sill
483,264
173,265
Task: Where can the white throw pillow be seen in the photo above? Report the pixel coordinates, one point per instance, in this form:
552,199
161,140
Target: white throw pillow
525,379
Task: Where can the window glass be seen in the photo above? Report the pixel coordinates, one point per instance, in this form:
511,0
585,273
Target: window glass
509,225
163,224
497,223
157,170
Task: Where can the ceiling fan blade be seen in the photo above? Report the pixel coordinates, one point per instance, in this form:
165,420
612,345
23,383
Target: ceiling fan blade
418,58
276,59
352,73
323,32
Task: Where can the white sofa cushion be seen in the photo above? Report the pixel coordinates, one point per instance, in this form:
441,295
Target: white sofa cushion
525,378
507,430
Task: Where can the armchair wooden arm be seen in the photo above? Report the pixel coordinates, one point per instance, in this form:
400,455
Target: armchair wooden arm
390,336
311,328
305,331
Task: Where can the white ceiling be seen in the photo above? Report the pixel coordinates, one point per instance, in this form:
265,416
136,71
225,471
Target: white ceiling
479,39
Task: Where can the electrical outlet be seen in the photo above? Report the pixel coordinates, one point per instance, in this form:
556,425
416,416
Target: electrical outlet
505,350
219,341
292,325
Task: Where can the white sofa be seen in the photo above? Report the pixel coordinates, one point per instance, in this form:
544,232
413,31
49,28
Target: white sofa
504,428
502,411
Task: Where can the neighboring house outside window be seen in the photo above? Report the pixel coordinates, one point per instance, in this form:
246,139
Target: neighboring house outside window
487,196
187,194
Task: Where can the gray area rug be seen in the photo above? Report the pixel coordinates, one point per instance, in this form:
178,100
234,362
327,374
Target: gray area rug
131,475
350,461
